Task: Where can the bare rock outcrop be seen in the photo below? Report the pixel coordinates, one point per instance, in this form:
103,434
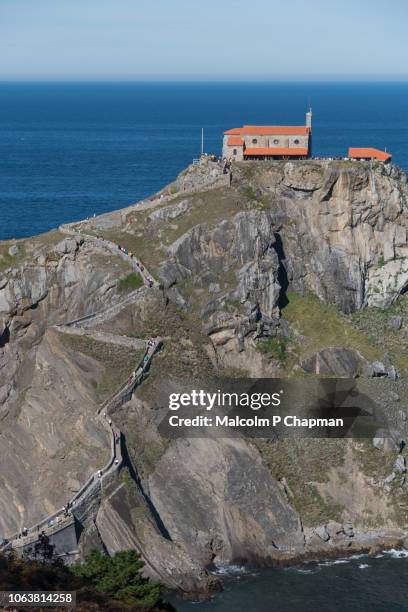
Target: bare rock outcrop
336,361
337,229
243,247
218,501
344,229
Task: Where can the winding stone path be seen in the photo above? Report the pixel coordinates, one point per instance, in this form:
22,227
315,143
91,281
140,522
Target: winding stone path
65,516
75,229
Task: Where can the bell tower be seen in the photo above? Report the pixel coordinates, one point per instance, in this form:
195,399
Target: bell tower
309,118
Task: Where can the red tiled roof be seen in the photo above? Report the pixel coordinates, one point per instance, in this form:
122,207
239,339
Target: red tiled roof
269,130
235,141
276,151
234,131
364,152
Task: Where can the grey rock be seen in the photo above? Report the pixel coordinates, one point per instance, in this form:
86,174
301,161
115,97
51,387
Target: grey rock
170,212
384,441
348,530
400,464
387,360
303,178
402,414
260,277
394,396
215,307
4,393
68,245
170,273
207,174
13,250
322,533
390,445
390,478
247,242
175,296
378,369
107,221
205,279
246,514
335,530
392,373
335,361
395,323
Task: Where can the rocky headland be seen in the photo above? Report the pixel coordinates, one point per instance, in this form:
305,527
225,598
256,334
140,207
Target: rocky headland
296,269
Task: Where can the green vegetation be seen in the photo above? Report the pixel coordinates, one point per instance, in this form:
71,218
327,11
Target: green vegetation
149,240
263,202
381,261
275,347
372,462
374,323
26,247
101,583
7,260
322,325
116,362
120,577
130,282
284,458
49,238
250,193
368,331
126,478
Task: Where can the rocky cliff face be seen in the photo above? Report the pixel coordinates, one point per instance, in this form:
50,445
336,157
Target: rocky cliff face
47,390
343,229
277,274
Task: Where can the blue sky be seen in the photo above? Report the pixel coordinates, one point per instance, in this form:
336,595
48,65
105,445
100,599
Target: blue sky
210,39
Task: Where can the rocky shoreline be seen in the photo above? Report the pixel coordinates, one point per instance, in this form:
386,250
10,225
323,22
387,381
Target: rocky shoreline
282,274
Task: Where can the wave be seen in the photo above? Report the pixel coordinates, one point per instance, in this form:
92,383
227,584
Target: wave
397,554
231,570
335,562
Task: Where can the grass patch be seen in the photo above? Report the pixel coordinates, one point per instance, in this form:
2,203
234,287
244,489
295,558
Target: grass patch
250,193
374,323
117,362
323,325
130,282
126,478
275,347
148,241
317,457
49,238
7,260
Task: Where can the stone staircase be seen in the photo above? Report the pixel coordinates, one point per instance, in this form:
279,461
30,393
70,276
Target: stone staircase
64,518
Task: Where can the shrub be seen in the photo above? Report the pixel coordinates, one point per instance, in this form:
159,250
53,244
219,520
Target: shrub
120,577
276,347
130,282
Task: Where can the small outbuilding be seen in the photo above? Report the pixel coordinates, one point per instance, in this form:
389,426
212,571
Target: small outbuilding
369,153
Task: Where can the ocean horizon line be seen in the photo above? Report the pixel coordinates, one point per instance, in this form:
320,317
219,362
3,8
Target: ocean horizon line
199,81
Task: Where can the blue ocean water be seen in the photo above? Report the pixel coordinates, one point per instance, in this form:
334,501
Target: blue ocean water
69,150
359,584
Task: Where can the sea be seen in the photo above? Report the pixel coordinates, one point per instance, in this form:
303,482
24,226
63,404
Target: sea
354,584
72,150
